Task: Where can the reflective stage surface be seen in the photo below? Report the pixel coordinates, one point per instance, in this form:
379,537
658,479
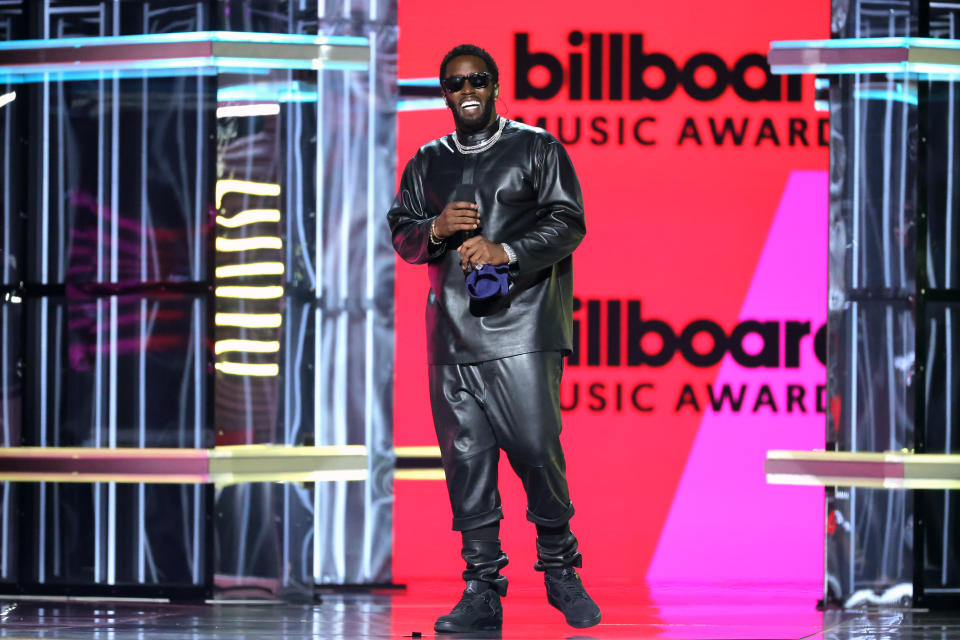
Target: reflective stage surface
682,612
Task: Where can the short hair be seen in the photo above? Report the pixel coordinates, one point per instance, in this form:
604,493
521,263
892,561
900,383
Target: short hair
470,50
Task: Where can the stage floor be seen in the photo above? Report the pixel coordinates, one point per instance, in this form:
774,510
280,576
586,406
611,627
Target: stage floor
680,612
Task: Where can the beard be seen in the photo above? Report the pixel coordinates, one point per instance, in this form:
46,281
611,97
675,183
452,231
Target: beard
474,124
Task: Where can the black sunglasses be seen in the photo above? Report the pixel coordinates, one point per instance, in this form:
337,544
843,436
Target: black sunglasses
477,81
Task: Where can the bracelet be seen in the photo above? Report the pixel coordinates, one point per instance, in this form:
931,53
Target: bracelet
511,254
434,237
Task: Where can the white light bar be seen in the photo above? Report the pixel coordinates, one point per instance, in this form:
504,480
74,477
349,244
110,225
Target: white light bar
249,110
250,269
247,369
246,346
245,187
249,216
248,320
250,293
247,244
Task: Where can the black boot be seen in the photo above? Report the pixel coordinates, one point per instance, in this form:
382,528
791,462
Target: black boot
479,609
566,593
557,555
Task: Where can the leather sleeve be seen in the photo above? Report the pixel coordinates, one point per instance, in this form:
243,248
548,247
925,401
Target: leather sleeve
560,226
409,221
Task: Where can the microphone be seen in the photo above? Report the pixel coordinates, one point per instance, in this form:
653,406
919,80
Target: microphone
466,193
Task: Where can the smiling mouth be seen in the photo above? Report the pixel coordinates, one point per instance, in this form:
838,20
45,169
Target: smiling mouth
470,106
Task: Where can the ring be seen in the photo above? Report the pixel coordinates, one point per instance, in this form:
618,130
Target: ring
479,265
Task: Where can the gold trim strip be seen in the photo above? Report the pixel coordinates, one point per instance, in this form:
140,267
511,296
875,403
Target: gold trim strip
417,452
877,470
419,474
221,465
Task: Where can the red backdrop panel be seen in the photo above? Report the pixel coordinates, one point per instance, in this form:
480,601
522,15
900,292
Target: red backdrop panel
687,195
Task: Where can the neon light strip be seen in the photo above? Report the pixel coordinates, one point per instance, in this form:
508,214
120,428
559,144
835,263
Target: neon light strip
250,293
247,346
249,110
248,320
161,66
7,98
420,104
867,43
224,187
250,269
926,68
292,91
250,216
187,36
881,94
247,369
426,82
246,244
197,66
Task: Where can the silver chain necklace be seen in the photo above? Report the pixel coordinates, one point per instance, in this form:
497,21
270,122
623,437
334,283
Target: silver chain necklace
481,146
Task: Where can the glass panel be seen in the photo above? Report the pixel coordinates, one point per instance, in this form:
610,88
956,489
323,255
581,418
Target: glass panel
871,327
872,18
941,562
105,533
123,181
265,540
119,371
124,371
942,184
11,181
271,16
869,547
11,404
870,377
11,373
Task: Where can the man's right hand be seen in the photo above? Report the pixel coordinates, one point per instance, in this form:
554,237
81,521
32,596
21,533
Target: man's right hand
457,216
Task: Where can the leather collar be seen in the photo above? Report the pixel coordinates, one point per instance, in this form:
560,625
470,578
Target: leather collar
478,137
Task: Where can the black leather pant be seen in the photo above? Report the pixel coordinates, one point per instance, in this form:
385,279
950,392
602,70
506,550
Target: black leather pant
511,404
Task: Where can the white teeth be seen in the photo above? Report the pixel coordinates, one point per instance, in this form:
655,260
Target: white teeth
470,104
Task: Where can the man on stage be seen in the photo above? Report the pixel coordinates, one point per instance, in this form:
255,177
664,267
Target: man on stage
496,359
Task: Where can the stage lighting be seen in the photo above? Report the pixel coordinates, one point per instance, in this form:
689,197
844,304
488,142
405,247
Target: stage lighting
248,110
248,320
247,369
250,293
246,244
246,187
251,269
249,216
246,346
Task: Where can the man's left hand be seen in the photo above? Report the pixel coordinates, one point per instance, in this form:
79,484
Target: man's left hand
478,251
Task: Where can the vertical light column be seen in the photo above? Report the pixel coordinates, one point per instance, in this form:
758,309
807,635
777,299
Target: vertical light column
197,273
368,299
341,371
44,308
44,279
319,387
141,569
5,100
114,311
949,250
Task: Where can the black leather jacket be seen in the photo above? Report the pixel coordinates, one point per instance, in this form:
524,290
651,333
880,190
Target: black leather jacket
529,197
